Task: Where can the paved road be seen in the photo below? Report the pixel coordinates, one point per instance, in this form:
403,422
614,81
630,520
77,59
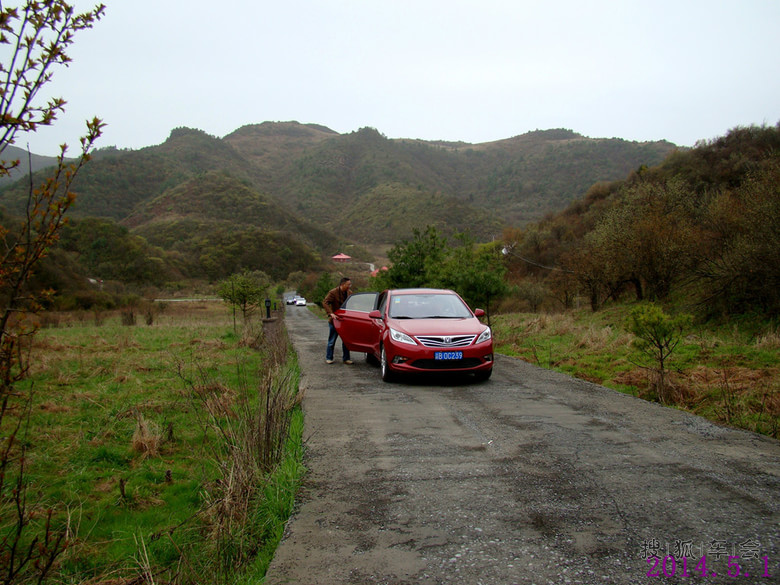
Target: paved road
531,477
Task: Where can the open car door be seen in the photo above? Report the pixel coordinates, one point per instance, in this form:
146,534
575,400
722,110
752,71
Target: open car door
356,329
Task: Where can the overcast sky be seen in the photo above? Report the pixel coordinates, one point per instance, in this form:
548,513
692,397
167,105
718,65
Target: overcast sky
472,71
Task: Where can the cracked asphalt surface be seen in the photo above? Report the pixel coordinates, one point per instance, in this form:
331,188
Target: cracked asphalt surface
532,477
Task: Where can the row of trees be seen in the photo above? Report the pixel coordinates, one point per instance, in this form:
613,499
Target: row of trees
91,249
428,259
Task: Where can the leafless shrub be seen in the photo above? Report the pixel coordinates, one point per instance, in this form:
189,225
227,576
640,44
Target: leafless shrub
128,317
50,320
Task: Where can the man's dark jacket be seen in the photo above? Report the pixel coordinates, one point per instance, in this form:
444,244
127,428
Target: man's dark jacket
334,299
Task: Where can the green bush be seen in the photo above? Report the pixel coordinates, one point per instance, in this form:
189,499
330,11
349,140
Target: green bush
658,336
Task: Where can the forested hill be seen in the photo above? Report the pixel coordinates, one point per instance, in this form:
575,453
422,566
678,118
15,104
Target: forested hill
702,228
516,180
282,196
324,176
26,160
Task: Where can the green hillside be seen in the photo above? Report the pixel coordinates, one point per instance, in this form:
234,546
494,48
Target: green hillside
116,181
26,160
294,194
519,179
392,208
320,174
702,229
220,225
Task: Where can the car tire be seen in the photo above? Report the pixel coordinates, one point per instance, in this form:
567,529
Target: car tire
484,375
387,374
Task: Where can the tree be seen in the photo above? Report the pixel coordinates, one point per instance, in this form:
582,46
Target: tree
658,336
322,287
110,252
741,270
646,241
475,272
428,260
38,39
245,291
38,35
533,292
414,261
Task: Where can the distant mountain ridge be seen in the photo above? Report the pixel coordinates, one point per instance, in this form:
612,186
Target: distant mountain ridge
26,160
326,190
528,176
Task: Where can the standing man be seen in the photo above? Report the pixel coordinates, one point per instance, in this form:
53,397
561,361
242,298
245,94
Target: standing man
332,303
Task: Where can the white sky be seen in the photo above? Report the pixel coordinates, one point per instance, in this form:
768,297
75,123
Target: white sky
476,71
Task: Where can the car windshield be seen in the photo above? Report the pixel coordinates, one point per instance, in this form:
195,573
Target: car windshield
428,306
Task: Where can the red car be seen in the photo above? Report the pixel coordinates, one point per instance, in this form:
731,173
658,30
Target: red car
415,331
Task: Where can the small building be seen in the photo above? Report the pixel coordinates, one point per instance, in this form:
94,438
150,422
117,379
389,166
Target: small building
341,257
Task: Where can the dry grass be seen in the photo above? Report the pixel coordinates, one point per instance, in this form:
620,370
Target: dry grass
724,375
595,338
769,340
147,437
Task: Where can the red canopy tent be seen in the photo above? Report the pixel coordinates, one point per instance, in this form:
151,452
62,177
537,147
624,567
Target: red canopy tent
341,258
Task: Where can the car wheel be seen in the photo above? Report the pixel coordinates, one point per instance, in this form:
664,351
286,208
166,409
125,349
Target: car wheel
483,375
387,374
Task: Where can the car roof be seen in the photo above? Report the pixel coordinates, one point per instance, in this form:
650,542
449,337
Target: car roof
413,291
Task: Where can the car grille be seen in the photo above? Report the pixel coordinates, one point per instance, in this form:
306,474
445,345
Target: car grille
465,363
446,340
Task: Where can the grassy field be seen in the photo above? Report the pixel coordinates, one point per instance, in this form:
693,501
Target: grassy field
149,441
729,374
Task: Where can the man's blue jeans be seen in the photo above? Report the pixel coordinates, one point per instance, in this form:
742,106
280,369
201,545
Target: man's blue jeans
332,337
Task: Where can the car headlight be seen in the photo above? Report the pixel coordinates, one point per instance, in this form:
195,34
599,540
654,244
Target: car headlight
401,337
486,335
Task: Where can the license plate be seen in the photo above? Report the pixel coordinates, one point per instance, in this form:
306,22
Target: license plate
448,355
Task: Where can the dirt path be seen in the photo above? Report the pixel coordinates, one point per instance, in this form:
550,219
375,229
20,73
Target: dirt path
532,477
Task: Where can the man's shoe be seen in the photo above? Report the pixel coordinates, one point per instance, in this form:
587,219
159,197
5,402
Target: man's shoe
348,362
328,361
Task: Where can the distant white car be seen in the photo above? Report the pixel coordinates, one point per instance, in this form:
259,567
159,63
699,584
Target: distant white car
300,302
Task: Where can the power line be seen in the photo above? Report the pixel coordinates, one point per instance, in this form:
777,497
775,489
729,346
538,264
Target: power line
509,251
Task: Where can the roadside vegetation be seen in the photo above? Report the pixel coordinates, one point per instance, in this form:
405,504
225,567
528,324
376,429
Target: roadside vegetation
729,374
692,246
165,452
168,452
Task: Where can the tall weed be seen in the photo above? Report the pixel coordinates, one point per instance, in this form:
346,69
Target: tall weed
253,426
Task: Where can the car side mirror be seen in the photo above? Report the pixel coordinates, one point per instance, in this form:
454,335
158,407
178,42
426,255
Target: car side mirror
375,315
479,313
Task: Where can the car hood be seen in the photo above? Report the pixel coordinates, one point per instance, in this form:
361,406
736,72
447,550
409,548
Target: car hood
470,326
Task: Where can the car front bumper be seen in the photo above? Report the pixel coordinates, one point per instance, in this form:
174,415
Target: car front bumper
418,360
